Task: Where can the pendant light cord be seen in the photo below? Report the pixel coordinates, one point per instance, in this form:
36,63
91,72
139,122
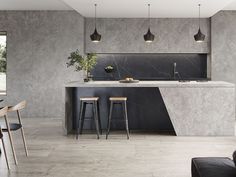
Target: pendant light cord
199,14
149,16
95,5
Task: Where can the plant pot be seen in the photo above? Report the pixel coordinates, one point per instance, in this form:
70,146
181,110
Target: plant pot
88,77
86,80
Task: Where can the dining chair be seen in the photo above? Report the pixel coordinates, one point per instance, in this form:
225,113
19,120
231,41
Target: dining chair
17,126
3,113
8,129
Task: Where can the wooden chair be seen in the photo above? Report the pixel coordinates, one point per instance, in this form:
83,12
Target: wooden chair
3,113
8,129
17,126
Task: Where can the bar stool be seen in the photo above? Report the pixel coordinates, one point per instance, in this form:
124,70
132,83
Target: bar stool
122,102
83,102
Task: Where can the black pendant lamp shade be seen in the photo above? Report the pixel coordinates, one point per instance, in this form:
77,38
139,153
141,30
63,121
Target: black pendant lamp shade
149,37
199,37
95,37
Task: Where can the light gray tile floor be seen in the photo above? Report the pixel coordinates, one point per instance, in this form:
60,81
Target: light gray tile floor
145,155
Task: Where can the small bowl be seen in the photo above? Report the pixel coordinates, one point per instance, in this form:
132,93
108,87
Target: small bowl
109,70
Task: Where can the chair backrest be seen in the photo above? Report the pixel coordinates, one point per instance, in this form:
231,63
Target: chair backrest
3,111
19,106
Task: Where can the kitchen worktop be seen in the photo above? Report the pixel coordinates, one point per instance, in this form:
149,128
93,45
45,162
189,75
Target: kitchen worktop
204,108
164,84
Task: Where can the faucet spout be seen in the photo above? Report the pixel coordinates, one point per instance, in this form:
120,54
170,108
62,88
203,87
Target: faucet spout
174,70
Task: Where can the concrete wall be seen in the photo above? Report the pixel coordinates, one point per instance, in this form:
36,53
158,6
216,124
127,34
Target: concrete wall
38,44
126,36
223,47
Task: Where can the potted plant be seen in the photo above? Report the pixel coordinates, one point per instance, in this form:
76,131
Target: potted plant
85,63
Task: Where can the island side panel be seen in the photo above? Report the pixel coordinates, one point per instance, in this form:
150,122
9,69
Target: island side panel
69,110
201,111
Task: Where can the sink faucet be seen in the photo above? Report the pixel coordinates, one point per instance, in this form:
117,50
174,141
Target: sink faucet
175,72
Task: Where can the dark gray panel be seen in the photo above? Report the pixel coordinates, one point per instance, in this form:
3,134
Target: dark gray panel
151,66
146,109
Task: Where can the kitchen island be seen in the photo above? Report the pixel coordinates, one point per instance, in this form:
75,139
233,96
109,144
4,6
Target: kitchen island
185,108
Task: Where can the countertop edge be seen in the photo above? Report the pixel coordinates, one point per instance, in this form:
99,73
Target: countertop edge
159,84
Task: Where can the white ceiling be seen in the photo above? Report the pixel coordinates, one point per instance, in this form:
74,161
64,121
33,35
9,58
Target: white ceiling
125,8
33,5
138,8
231,6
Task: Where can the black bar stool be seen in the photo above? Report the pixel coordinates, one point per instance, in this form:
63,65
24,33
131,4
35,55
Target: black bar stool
83,102
122,101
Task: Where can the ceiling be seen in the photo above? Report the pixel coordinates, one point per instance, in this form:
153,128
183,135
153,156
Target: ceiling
138,8
231,6
125,8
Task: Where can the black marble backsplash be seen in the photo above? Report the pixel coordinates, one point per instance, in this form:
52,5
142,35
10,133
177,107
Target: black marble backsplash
151,66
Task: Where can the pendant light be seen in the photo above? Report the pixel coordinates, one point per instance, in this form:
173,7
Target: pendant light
199,37
149,37
95,37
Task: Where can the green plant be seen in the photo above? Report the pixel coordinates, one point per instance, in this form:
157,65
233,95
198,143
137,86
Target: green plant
80,62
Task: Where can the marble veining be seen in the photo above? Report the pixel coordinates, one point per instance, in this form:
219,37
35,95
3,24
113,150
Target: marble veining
201,111
151,66
223,46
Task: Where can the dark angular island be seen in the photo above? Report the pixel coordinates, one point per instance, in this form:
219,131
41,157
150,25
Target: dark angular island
183,108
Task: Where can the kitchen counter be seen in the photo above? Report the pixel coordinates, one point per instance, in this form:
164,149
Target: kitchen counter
205,108
191,84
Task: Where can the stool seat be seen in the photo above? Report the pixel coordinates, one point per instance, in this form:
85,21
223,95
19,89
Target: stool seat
118,98
89,98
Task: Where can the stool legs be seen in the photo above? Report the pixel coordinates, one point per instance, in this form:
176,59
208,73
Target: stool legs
124,106
82,117
99,119
80,121
96,117
126,118
109,119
